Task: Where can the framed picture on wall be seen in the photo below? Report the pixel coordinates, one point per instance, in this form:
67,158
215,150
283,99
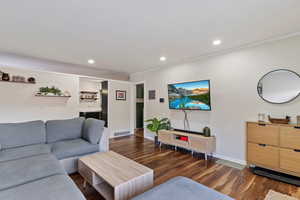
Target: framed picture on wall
121,95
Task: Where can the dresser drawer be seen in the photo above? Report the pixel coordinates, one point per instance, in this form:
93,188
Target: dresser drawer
290,160
290,137
263,154
263,134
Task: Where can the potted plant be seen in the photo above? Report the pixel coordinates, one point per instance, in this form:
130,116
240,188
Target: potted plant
50,91
155,124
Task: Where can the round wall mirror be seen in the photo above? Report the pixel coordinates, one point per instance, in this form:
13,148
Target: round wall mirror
279,86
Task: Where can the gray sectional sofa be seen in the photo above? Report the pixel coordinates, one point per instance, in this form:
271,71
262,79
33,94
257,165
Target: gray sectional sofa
182,188
35,157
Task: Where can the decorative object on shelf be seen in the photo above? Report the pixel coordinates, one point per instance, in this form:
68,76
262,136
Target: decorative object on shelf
155,124
88,95
261,117
31,80
152,94
280,121
46,91
206,132
279,86
5,77
121,95
20,79
161,100
67,94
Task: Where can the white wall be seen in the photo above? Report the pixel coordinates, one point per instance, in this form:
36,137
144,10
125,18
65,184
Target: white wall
18,103
234,77
119,112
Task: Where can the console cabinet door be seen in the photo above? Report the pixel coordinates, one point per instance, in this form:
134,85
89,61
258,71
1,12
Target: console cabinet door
263,134
290,137
165,137
264,155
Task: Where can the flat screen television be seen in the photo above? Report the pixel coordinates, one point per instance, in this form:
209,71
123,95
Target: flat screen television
190,95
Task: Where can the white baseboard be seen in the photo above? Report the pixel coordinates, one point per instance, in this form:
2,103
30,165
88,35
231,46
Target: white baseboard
149,138
242,162
113,136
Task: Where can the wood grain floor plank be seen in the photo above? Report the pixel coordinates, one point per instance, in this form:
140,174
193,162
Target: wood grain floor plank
167,163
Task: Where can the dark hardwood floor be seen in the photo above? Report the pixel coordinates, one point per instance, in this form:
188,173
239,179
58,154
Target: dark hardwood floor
168,163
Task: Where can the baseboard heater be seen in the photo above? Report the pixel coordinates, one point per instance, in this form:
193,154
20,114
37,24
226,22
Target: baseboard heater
123,133
276,175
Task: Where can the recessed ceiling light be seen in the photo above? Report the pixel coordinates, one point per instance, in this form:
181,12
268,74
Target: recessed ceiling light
217,42
91,61
162,58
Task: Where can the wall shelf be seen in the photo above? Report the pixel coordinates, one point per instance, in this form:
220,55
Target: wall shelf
88,92
37,95
16,82
89,99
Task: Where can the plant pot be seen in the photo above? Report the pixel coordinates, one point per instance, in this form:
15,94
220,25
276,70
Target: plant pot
156,142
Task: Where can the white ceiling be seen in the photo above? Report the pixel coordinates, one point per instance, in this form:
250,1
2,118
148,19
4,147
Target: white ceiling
130,35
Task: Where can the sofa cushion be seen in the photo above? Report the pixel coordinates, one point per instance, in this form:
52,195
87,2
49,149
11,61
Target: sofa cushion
181,188
71,148
23,152
58,187
22,134
92,130
17,172
57,130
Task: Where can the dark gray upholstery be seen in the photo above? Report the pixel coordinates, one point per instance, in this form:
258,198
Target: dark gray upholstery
181,188
70,148
58,187
58,130
22,134
23,152
92,130
24,170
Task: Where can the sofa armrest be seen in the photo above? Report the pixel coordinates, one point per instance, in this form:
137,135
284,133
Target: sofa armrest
104,141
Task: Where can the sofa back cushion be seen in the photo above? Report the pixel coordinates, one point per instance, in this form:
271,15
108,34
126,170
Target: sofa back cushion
58,130
92,130
22,134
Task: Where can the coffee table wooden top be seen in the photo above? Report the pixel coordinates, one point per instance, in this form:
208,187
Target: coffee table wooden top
114,168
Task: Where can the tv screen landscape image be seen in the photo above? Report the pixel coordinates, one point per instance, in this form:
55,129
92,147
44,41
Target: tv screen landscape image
190,95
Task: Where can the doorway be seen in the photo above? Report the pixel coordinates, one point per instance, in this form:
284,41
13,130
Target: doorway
139,129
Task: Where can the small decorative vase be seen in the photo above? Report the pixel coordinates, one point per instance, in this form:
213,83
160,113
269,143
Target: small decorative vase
5,77
206,132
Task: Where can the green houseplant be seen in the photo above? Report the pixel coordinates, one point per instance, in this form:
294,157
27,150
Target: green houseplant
156,124
53,90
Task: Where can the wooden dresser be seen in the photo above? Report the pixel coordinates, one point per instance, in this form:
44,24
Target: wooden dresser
274,146
193,142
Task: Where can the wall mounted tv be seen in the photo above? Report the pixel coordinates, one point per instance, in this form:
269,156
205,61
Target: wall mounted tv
190,95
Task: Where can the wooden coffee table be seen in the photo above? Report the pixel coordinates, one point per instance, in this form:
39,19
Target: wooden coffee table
114,176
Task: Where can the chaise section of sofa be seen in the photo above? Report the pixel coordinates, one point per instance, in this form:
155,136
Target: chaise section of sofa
57,187
22,171
180,188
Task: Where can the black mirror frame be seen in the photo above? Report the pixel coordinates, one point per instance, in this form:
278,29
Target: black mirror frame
258,87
